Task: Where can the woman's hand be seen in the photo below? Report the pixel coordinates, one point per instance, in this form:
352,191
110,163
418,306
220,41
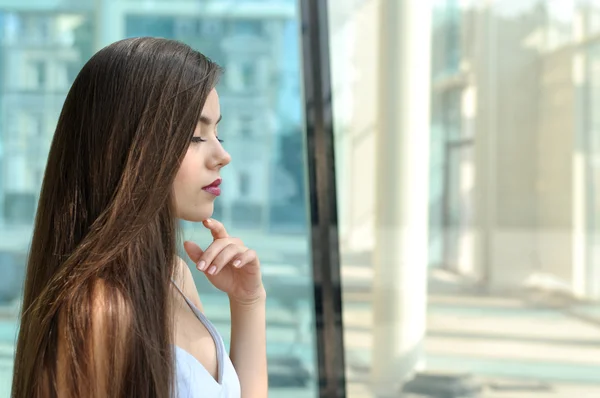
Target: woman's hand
229,265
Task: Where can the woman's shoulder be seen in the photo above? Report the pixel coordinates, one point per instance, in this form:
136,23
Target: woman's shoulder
110,319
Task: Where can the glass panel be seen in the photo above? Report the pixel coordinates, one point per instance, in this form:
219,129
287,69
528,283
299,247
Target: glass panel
471,257
43,46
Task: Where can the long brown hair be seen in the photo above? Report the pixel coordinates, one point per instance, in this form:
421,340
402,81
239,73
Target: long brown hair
105,225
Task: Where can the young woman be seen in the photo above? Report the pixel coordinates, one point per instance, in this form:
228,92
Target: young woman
109,310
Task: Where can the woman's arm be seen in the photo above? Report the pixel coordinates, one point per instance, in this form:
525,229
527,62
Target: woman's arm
234,269
248,346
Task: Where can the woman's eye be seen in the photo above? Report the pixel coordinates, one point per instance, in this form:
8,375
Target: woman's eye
200,139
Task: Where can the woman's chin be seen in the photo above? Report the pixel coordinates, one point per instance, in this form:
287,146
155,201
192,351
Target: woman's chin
198,215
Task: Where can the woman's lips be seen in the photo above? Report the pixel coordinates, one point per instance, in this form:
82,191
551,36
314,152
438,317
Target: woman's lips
213,188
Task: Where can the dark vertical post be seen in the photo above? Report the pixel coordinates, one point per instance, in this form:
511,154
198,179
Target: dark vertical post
323,205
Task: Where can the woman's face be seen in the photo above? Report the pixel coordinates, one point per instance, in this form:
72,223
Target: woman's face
197,182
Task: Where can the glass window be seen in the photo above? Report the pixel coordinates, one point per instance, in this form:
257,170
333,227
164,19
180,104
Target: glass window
246,27
251,210
36,126
246,126
249,75
36,78
468,196
244,184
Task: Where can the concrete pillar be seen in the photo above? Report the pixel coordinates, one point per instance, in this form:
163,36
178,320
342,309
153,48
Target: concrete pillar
402,181
581,263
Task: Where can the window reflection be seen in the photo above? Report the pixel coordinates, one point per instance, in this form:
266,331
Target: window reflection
512,272
43,47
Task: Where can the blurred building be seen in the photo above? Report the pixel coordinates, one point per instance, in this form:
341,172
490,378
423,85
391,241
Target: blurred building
252,40
44,44
38,63
43,47
512,129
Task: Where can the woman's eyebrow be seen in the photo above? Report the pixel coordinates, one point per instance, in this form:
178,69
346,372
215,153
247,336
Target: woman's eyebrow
208,121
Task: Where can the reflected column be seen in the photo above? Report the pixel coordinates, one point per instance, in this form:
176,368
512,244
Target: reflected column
402,178
110,22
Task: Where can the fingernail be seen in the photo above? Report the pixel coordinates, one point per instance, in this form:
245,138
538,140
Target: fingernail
208,220
202,265
212,270
237,263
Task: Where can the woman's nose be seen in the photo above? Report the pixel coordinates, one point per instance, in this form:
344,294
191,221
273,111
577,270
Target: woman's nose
222,158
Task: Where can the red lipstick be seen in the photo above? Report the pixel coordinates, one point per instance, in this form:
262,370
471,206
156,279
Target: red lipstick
213,188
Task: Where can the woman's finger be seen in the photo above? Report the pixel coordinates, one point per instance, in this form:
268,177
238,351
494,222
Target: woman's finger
244,258
211,252
217,229
225,258
193,251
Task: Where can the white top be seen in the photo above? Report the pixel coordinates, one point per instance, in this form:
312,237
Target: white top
191,377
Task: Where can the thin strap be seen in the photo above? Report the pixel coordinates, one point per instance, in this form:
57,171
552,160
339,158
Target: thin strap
198,313
187,300
211,330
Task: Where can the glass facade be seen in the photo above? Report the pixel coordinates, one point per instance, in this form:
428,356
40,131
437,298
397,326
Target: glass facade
467,163
44,44
511,275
